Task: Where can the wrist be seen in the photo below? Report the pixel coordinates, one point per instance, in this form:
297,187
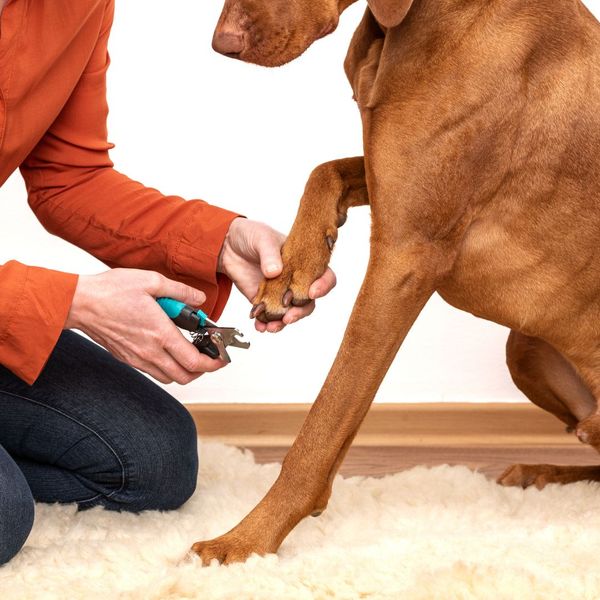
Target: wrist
75,318
226,255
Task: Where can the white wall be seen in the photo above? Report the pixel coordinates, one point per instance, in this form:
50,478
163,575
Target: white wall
191,122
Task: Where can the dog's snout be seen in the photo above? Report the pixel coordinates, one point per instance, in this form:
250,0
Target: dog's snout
228,42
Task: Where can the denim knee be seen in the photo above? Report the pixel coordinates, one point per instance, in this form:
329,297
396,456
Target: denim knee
16,508
165,478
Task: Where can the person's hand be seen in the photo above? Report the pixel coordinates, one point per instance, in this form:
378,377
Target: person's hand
252,251
118,310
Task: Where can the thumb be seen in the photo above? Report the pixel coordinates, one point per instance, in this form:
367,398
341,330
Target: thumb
269,252
179,291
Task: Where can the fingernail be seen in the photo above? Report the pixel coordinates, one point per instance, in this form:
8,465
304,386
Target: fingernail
272,268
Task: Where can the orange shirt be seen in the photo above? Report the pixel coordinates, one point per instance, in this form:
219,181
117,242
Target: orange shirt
53,62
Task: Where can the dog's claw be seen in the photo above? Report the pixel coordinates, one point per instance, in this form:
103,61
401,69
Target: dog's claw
257,310
291,287
287,298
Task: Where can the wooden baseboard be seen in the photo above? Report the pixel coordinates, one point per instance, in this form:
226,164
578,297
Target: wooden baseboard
433,425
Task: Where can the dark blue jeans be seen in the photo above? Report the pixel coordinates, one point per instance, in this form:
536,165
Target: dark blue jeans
90,430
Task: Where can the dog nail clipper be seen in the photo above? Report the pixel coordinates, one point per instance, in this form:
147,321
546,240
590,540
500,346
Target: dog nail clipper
208,337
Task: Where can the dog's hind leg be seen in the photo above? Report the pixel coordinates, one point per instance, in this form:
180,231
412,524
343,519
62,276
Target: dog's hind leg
548,379
331,190
552,383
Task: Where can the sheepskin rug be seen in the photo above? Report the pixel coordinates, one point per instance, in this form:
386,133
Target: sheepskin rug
428,533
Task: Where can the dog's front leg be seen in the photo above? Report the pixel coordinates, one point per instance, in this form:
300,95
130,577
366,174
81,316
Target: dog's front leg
400,278
331,190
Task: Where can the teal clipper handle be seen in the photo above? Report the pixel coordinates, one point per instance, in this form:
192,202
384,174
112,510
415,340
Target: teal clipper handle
209,338
182,315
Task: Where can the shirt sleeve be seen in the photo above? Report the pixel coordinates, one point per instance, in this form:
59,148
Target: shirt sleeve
77,194
34,304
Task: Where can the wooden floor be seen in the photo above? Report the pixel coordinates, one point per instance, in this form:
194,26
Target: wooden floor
394,437
378,461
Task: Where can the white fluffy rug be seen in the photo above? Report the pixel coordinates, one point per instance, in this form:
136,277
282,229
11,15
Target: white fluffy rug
440,533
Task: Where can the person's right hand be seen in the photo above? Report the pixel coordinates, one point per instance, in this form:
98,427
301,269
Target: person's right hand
118,310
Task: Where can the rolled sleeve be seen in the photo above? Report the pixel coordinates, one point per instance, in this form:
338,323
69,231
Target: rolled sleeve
195,258
34,306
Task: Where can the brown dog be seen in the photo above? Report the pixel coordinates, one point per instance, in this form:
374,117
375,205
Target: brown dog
481,127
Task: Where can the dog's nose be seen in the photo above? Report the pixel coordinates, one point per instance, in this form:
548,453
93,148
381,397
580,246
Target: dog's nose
227,42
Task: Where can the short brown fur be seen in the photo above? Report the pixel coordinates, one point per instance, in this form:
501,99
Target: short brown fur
481,166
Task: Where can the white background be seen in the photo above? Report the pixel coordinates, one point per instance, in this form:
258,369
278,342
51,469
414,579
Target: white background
191,122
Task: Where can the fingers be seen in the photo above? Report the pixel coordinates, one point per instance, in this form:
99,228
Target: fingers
185,363
291,316
175,372
323,285
271,327
166,369
269,252
260,326
169,357
154,372
164,287
298,312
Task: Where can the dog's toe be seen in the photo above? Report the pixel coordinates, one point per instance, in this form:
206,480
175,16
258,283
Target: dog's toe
276,296
227,549
515,476
588,430
527,475
223,553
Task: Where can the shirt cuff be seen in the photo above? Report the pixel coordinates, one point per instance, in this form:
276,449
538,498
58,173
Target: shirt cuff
195,257
34,309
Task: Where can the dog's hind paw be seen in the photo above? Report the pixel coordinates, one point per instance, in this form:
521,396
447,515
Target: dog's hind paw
526,475
542,475
588,430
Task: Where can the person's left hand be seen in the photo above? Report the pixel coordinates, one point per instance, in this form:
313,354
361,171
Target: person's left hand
252,251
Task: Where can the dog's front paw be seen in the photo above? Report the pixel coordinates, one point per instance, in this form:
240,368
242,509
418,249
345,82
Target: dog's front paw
228,549
275,296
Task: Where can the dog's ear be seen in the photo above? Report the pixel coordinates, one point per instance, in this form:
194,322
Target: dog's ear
389,13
